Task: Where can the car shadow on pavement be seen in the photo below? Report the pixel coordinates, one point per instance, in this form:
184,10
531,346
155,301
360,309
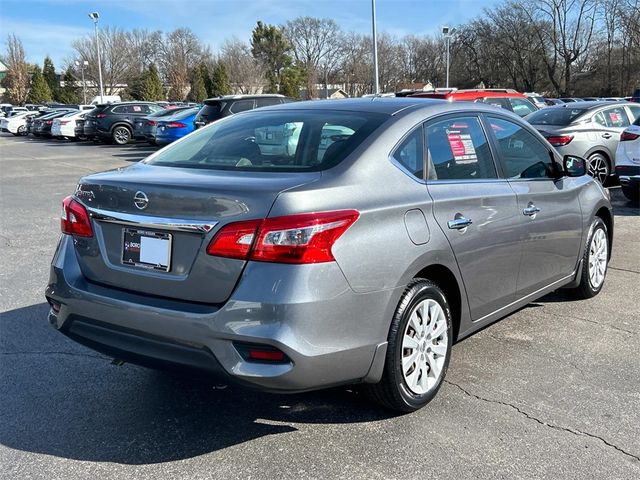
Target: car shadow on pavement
61,399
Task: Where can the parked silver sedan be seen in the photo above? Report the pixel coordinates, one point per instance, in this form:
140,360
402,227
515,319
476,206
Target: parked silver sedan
587,129
381,233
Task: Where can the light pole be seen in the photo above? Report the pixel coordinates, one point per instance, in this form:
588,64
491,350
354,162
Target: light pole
82,66
448,32
326,86
94,16
376,82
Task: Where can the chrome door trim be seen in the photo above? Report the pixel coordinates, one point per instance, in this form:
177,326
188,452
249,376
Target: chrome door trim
161,223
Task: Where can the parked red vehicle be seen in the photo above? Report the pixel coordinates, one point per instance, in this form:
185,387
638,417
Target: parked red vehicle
499,97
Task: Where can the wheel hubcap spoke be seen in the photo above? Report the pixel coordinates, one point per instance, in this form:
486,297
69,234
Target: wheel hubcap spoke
598,252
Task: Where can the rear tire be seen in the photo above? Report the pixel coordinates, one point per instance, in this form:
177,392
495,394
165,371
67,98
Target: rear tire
632,194
121,135
598,167
594,262
419,349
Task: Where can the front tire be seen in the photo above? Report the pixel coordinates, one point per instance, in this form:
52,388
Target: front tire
594,262
121,135
419,349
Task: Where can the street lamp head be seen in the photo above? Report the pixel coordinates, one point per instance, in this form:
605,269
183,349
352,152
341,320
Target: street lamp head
85,62
94,16
77,63
445,30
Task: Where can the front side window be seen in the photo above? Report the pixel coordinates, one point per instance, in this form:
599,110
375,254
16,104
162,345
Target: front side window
265,102
523,155
457,149
410,153
284,141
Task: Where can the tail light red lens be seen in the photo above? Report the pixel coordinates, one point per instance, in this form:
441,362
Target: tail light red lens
260,353
49,122
304,238
101,115
176,125
64,122
151,122
628,136
560,140
75,219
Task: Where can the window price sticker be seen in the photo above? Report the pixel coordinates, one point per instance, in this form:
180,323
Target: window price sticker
462,148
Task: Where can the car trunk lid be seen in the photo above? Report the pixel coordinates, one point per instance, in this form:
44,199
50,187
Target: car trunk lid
175,212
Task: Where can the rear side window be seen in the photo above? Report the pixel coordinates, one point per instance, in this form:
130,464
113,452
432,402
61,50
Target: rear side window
457,149
121,109
521,107
615,117
523,155
241,106
410,153
495,101
265,102
286,141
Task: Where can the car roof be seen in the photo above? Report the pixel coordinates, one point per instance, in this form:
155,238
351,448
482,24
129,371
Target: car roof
590,105
472,94
384,105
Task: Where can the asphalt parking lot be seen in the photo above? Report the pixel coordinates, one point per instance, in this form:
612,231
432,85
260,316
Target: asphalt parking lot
552,391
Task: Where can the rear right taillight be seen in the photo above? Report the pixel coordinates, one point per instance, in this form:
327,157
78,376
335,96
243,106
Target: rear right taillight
628,136
559,140
75,219
101,115
303,238
151,122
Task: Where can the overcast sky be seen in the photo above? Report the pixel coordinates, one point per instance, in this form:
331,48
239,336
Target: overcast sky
47,27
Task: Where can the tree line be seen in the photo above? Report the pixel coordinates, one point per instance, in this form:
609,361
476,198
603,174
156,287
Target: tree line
557,47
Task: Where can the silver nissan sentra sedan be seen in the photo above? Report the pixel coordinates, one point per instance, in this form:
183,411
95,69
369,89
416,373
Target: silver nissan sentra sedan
315,244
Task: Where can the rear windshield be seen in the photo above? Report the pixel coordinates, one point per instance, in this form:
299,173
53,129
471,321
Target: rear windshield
555,116
182,114
288,141
211,111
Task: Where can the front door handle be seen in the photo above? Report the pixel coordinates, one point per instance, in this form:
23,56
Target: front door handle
531,210
606,135
459,223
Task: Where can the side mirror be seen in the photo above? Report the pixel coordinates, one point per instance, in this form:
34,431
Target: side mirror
574,166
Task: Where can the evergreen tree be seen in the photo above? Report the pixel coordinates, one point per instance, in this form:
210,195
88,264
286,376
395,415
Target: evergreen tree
207,78
198,91
152,87
40,91
219,81
69,93
270,46
291,80
49,74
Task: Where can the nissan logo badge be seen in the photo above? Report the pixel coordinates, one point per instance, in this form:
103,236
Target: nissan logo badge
140,200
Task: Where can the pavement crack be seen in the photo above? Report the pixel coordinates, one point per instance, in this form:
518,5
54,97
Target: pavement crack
573,317
622,269
543,423
44,354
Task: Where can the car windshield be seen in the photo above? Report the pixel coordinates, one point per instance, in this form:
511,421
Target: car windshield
291,140
555,116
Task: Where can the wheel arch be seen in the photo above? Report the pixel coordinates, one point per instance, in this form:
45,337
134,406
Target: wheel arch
121,124
447,281
605,215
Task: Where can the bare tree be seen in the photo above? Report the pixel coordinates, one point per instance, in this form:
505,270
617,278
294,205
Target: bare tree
17,79
315,42
181,51
246,73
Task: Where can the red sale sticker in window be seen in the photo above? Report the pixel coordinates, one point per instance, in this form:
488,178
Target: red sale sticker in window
614,117
136,108
462,147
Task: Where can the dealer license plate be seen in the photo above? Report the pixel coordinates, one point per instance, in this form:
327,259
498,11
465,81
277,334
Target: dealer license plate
146,249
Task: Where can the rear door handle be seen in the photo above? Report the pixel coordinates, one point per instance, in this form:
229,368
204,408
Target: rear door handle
531,210
459,223
606,135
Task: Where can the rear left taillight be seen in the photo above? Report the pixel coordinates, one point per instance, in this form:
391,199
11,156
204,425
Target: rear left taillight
64,122
559,140
176,125
101,115
49,122
304,238
628,136
75,219
151,122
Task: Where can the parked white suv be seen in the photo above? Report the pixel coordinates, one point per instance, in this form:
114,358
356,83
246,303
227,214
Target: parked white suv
628,161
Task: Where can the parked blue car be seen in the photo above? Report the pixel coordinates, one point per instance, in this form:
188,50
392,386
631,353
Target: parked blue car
173,128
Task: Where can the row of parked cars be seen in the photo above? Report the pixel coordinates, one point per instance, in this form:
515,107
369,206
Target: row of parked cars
601,131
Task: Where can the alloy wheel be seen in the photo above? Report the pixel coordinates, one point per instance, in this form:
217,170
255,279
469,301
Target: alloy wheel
121,135
598,252
598,167
424,347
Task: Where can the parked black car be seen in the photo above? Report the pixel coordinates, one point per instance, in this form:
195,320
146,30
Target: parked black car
144,128
41,126
115,121
218,107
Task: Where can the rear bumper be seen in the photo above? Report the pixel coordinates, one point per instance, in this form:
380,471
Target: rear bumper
628,175
330,334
